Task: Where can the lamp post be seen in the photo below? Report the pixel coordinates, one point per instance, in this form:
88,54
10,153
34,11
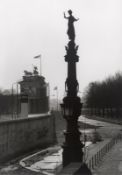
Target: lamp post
56,89
71,106
17,83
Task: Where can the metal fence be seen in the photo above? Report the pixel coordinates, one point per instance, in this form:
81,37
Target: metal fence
96,158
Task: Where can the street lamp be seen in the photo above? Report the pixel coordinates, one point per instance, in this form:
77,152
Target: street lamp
71,106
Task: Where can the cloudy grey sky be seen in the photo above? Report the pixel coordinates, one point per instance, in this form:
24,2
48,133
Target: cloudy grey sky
32,27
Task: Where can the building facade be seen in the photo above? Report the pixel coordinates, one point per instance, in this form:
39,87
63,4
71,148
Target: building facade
37,90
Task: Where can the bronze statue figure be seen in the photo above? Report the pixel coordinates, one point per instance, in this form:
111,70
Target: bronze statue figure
71,20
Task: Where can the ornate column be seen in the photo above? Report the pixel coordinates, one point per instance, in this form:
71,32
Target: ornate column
71,106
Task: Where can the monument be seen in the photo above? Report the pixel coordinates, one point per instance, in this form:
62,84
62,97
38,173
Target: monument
71,106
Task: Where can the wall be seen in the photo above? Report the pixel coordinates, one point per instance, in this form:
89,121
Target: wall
23,135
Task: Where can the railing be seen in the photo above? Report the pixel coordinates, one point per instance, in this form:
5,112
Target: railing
95,159
113,113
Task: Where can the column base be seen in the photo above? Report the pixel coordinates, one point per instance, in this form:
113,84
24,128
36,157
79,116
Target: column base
72,154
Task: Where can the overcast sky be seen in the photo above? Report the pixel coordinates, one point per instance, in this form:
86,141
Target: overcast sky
32,27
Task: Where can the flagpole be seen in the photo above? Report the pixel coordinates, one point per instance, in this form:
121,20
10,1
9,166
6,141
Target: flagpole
39,56
56,89
57,99
40,66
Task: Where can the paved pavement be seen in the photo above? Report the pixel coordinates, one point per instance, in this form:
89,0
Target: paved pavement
97,122
111,163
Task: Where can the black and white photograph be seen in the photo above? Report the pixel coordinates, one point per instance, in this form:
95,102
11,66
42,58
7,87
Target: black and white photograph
60,87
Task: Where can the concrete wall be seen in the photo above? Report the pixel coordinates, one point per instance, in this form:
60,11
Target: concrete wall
23,135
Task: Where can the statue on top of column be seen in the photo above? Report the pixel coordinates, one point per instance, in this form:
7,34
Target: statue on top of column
71,30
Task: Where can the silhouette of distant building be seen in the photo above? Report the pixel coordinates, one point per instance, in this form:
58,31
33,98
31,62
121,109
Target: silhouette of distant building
37,90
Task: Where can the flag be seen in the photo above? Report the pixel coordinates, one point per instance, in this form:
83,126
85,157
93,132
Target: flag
38,56
55,88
